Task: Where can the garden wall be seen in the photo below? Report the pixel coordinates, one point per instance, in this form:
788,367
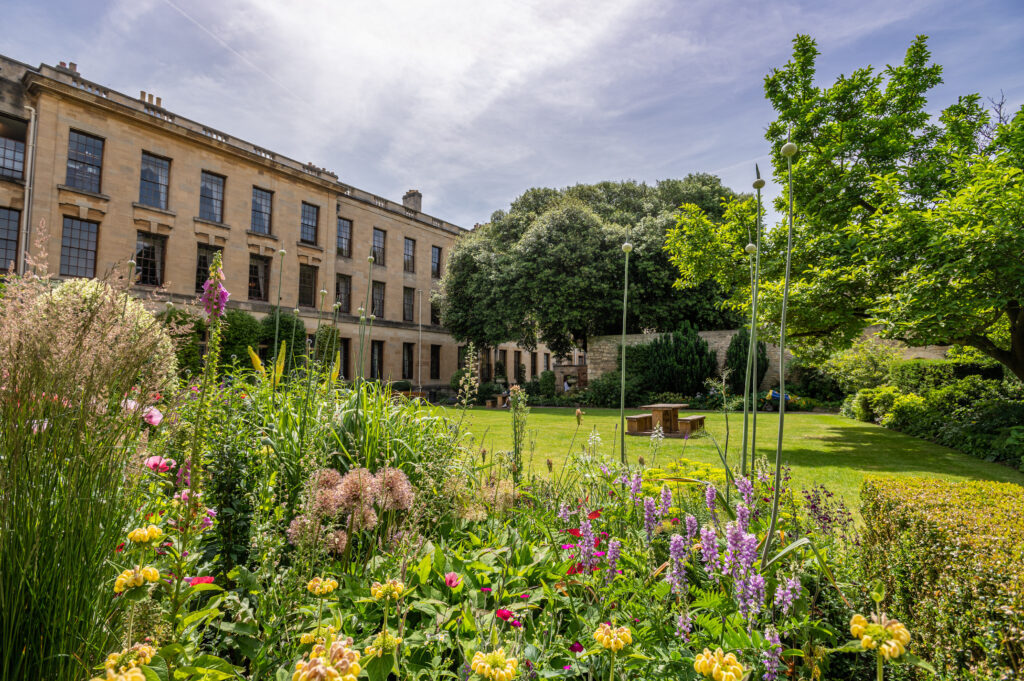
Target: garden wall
602,353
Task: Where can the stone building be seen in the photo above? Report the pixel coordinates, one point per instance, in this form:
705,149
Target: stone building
95,177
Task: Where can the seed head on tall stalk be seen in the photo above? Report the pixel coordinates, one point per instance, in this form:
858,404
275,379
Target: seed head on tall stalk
750,387
788,150
627,248
277,322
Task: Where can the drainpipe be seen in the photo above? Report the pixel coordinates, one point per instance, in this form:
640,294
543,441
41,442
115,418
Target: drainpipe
26,232
419,345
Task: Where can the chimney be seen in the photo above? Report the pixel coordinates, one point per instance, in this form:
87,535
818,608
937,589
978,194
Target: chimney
413,200
159,102
73,66
149,98
142,95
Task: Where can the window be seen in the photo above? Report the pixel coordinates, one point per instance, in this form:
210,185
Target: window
460,359
343,293
518,357
9,220
12,147
153,181
376,359
259,277
408,303
211,197
435,362
149,258
435,262
204,256
310,223
533,364
262,205
378,246
307,285
407,359
78,248
85,162
410,255
343,348
547,361
435,314
344,238
502,359
377,300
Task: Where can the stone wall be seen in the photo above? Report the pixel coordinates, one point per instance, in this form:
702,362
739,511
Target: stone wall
603,350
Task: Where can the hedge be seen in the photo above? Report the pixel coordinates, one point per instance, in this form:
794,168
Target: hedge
921,375
951,556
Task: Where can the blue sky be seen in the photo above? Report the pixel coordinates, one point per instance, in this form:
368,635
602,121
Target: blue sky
473,102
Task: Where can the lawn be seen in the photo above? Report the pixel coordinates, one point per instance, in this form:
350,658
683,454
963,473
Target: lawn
821,448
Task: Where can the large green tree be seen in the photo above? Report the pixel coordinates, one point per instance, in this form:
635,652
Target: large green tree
903,219
550,267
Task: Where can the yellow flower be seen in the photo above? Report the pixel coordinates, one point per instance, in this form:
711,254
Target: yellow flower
391,589
889,637
257,364
321,587
141,535
613,639
718,665
139,654
307,638
495,665
334,660
384,644
151,574
857,624
133,674
129,579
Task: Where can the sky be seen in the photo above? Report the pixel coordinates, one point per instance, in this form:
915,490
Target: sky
473,102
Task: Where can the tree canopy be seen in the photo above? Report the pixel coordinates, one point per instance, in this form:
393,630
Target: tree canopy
550,267
903,219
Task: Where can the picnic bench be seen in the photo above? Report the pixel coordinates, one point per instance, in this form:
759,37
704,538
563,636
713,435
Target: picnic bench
638,424
667,417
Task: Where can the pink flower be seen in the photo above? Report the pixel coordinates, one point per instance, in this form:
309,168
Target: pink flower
452,580
504,614
568,546
192,581
130,405
516,623
159,464
486,589
576,647
524,595
152,416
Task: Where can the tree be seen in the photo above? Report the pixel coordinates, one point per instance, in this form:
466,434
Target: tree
736,360
550,268
241,331
903,220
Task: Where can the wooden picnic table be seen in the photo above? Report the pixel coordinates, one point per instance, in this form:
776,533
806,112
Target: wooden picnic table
666,415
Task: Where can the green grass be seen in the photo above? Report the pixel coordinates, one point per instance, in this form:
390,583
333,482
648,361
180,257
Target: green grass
821,448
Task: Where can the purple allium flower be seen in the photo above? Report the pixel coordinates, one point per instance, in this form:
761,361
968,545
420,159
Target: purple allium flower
709,551
564,513
746,490
650,517
684,626
614,550
678,552
787,592
709,498
691,529
666,501
771,658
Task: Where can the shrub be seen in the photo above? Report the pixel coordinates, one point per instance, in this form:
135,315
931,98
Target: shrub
399,386
487,391
861,405
736,360
547,383
290,330
812,381
188,332
677,362
921,375
865,364
881,400
326,346
951,556
241,331
604,391
907,413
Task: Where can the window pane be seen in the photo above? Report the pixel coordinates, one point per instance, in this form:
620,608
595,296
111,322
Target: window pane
262,204
435,261
408,303
377,307
310,223
85,161
407,359
259,276
410,255
12,158
211,197
378,246
376,359
153,181
344,237
8,238
307,285
343,293
204,257
78,248
149,259
435,362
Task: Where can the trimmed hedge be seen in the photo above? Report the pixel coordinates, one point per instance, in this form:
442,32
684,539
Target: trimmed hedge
921,375
951,556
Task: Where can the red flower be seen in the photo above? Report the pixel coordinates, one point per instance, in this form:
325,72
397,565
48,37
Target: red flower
192,581
504,614
594,515
574,532
120,547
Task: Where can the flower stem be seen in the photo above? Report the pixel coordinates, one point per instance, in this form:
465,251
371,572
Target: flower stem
879,658
622,370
